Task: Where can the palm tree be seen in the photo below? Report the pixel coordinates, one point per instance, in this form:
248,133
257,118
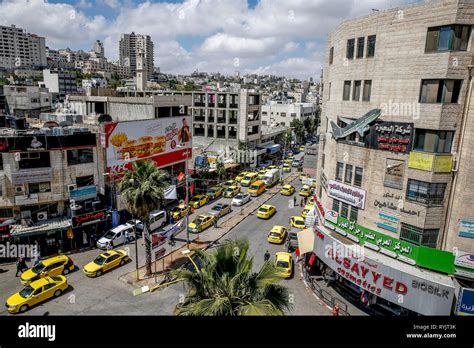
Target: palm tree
226,285
220,169
142,190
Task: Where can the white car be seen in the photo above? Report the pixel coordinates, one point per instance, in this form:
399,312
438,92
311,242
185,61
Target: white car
116,235
241,199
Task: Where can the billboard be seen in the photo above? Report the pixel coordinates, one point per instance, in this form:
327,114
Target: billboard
156,139
390,136
347,194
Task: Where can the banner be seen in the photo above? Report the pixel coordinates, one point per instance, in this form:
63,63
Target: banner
155,139
158,239
347,194
171,193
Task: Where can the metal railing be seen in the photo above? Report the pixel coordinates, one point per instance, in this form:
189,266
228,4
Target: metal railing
324,295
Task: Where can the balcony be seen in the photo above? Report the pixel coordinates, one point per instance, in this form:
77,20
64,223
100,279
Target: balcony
430,162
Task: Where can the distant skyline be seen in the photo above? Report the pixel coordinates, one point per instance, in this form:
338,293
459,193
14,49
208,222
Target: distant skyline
279,37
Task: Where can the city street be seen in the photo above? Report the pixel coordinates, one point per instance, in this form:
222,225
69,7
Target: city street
109,295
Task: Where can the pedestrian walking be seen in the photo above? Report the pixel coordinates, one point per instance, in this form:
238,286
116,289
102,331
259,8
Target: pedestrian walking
127,236
266,257
335,310
20,266
93,240
301,201
305,200
294,201
110,246
215,222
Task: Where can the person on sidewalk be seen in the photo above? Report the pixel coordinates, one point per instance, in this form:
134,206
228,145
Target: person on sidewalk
127,237
294,201
335,310
301,202
266,257
215,222
21,266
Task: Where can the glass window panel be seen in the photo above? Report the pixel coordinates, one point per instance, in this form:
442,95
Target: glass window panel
367,90
432,40
429,91
360,47
348,176
347,90
356,91
445,37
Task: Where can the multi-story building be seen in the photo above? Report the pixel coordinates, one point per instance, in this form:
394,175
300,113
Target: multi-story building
59,82
283,113
27,101
128,49
98,49
71,56
21,49
394,165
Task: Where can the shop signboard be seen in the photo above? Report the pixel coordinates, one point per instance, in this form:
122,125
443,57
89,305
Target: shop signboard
421,161
443,164
89,218
466,228
389,221
430,258
347,194
424,295
82,193
26,199
156,139
390,136
465,304
31,176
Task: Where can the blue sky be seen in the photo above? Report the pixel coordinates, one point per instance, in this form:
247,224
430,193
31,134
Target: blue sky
283,37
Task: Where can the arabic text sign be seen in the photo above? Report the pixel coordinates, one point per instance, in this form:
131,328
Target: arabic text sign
466,228
422,295
465,305
443,164
82,193
389,221
31,176
391,136
421,161
89,218
347,194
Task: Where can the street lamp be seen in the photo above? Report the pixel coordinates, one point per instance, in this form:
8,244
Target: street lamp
186,252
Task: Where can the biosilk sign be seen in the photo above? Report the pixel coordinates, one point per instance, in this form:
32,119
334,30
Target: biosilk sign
421,295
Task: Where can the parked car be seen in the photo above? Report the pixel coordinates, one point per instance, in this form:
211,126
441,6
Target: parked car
266,211
292,240
116,235
297,222
296,163
52,266
200,223
198,201
277,235
287,190
179,212
305,191
138,225
214,192
241,199
105,262
220,209
231,191
284,264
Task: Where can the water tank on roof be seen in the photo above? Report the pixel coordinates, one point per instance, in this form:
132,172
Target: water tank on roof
57,131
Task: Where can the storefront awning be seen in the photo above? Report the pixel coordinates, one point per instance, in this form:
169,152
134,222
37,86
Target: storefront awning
52,225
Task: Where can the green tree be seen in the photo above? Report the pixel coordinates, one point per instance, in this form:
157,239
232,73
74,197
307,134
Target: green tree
142,191
220,169
298,128
226,285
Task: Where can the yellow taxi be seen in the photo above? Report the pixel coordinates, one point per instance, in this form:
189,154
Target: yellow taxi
52,266
239,177
200,223
287,190
231,191
179,212
229,183
277,235
272,167
303,176
305,191
105,262
249,179
214,192
297,222
287,168
284,264
306,210
262,171
266,211
302,148
198,201
36,292
288,161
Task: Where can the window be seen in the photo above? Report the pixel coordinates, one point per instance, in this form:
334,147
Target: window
433,141
85,180
371,46
358,176
344,210
283,114
348,176
354,214
448,38
331,55
350,49
39,187
418,235
79,156
29,160
440,91
335,205
347,90
360,47
339,171
367,90
356,91
425,192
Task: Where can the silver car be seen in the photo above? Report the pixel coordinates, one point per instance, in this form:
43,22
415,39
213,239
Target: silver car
241,199
220,209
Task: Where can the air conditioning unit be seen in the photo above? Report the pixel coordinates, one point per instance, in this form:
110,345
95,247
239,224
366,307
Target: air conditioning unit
71,187
19,189
42,215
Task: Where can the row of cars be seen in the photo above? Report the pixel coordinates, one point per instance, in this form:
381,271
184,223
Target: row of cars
47,279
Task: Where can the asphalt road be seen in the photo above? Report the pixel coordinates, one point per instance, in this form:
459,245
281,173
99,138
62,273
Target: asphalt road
108,295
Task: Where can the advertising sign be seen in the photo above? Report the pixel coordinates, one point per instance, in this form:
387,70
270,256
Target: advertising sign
27,199
157,240
155,139
82,193
394,173
31,176
465,304
390,136
389,221
466,228
464,259
422,295
347,194
421,161
89,218
443,164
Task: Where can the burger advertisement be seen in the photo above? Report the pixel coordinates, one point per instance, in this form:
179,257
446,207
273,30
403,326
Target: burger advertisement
158,140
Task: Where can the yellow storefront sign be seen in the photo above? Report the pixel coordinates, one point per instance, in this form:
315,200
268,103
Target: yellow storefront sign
443,164
422,161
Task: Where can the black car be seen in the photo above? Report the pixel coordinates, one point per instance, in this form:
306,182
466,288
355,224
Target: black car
292,240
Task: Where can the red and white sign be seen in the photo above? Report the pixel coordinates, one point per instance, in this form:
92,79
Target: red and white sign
158,140
422,295
347,194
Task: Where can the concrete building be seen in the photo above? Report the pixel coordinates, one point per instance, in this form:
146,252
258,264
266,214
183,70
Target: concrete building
142,73
59,82
27,101
283,113
98,49
21,49
128,49
402,173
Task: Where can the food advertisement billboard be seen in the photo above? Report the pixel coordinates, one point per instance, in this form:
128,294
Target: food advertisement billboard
159,140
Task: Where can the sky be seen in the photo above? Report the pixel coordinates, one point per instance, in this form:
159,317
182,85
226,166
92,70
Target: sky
280,37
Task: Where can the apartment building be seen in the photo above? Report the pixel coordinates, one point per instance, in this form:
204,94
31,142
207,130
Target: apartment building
283,112
129,45
21,49
27,101
59,82
394,165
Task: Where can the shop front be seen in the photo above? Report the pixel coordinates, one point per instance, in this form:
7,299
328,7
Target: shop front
381,281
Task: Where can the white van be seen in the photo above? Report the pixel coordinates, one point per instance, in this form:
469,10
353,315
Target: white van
158,219
116,235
